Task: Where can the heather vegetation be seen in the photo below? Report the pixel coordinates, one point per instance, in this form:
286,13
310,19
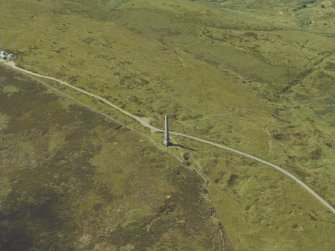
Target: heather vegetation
254,75
73,180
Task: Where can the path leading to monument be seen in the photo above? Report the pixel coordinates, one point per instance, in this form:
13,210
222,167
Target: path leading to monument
146,124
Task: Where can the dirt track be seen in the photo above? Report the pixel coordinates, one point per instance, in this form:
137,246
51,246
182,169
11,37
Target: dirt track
146,124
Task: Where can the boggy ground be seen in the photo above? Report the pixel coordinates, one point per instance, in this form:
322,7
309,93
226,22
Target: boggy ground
72,180
255,75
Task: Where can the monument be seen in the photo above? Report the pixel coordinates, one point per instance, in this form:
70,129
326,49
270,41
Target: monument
166,132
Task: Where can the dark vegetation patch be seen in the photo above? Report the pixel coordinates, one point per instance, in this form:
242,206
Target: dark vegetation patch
232,179
50,204
316,154
330,66
304,4
280,136
132,81
184,212
39,203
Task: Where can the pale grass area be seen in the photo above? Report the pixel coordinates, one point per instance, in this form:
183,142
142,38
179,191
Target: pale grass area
241,73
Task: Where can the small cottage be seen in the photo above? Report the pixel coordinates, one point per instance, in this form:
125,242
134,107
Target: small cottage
5,56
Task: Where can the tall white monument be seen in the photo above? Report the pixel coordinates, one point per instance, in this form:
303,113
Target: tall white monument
166,132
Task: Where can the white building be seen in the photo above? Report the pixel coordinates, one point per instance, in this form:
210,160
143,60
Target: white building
5,56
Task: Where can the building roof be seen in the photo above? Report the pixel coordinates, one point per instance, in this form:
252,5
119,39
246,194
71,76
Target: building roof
5,55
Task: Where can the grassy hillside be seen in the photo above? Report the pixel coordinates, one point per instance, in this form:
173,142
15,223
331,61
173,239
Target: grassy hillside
255,75
72,180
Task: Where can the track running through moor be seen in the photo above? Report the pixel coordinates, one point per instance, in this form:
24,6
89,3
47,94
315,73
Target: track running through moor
146,124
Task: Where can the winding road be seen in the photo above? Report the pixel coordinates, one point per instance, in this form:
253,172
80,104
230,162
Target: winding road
146,124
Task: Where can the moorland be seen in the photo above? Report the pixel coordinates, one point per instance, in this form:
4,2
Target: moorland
257,76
